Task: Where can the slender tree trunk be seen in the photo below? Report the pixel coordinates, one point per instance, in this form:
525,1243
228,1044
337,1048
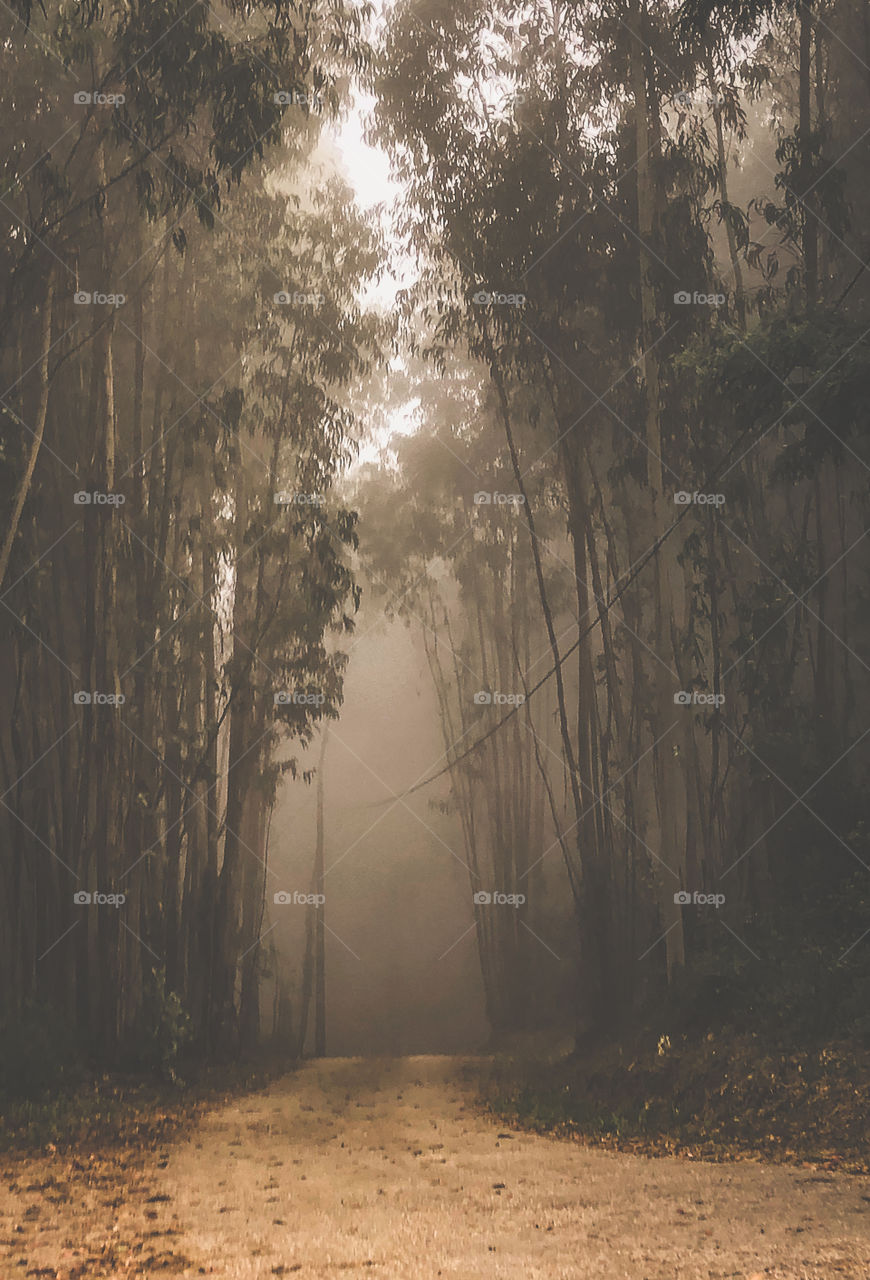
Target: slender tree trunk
805,180
319,933
666,569
722,171
23,488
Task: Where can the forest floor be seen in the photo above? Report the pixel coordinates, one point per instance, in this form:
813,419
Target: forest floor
389,1168
712,1097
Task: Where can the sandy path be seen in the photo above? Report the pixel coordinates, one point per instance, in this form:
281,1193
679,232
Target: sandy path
384,1168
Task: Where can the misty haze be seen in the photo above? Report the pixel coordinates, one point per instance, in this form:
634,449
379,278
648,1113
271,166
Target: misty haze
434,698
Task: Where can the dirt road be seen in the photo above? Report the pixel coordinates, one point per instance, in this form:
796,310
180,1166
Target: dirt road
386,1169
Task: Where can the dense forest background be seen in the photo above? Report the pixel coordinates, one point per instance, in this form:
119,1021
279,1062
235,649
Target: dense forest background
582,403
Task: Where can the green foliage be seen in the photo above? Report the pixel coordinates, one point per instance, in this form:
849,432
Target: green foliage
164,1028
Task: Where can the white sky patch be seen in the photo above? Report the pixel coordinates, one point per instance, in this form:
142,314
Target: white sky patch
402,421
367,170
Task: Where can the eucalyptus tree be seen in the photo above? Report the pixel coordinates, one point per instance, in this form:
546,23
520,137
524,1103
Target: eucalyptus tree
527,199
445,548
150,568
305,346
159,106
567,171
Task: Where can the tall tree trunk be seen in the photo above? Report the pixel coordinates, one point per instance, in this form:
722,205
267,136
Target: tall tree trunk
319,934
722,174
665,566
806,167
38,429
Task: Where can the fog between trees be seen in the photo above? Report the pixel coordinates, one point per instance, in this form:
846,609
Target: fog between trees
541,486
